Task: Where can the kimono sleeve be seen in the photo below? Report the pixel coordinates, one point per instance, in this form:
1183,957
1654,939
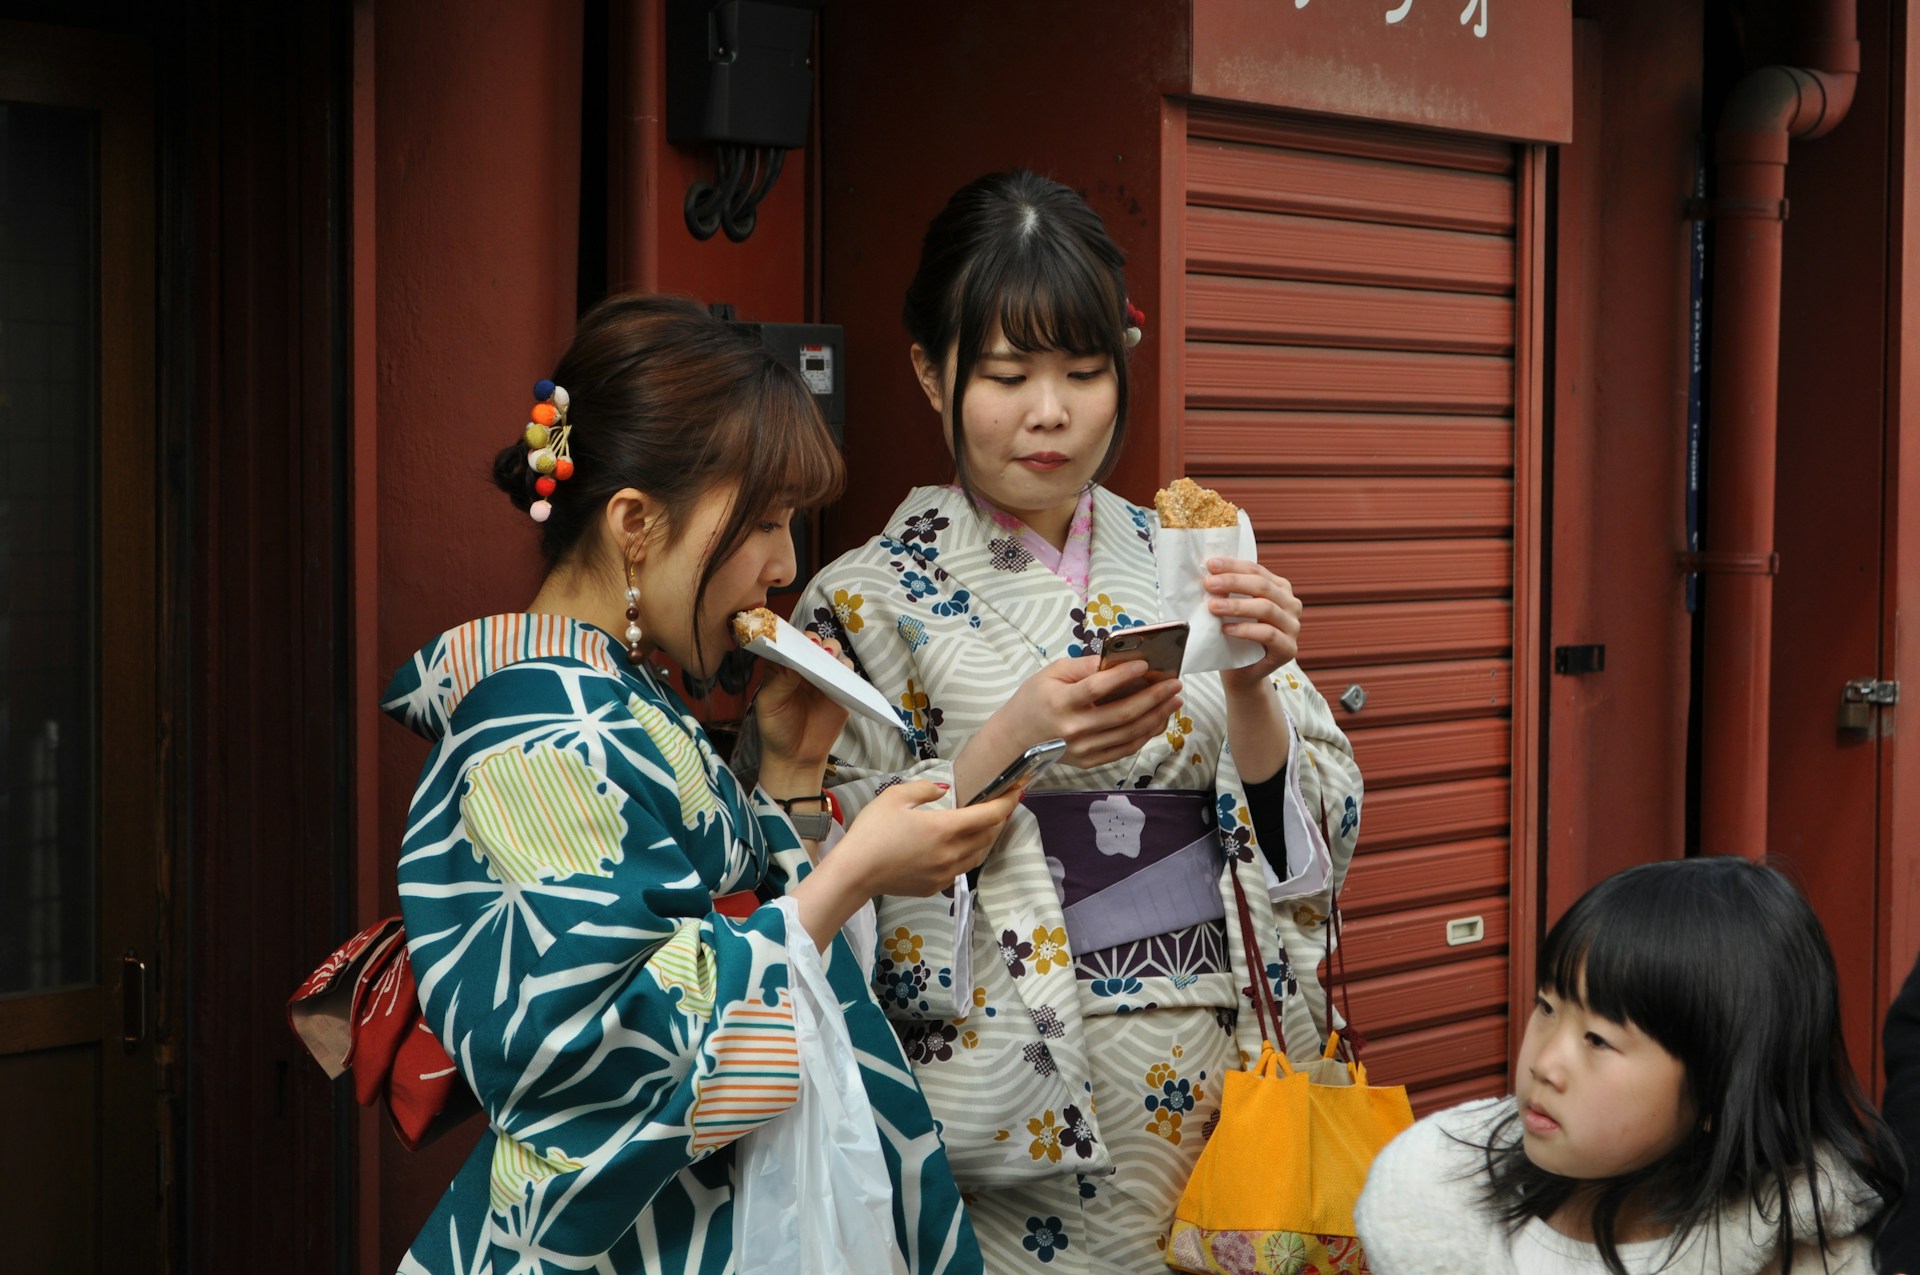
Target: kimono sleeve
615,1029
1319,818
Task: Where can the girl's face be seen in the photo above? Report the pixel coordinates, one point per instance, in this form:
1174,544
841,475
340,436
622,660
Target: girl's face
1037,425
669,574
1597,1098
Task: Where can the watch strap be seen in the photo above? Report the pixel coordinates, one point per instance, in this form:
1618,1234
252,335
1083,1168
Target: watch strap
814,826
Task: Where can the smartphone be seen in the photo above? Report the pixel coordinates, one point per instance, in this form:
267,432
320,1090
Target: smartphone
1162,646
1025,767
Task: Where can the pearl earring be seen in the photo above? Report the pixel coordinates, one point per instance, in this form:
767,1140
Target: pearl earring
635,655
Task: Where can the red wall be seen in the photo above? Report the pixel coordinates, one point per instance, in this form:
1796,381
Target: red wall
1617,740
915,102
475,217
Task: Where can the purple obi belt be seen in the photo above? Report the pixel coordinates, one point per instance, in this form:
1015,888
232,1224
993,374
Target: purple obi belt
1139,876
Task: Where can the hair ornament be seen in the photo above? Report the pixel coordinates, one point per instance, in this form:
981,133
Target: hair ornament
1136,319
547,452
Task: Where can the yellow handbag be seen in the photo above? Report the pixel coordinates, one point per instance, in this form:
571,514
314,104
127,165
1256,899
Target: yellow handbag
1274,1188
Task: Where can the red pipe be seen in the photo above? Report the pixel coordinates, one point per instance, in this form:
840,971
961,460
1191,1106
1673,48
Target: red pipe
1765,109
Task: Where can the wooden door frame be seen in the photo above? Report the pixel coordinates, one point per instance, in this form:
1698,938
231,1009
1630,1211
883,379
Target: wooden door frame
113,76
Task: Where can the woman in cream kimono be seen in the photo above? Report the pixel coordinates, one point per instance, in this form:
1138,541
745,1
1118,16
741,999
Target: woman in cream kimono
1071,1023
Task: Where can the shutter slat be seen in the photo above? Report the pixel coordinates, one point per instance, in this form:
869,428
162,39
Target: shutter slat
1423,875
1429,813
1220,308
1418,692
1307,377
1318,184
1370,508
1391,570
1433,752
1429,997
1303,443
1283,246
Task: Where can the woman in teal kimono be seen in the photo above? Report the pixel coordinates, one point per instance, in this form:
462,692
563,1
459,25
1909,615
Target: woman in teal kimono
1071,1022
601,918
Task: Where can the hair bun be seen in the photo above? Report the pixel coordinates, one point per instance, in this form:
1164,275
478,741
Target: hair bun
512,475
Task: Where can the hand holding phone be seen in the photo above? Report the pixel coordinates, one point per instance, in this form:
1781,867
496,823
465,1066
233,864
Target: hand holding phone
1022,770
1162,646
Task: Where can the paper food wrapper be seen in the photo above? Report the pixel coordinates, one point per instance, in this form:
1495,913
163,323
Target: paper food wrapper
1181,557
793,649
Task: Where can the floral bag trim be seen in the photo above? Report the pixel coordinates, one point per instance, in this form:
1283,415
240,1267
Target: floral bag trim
1192,1248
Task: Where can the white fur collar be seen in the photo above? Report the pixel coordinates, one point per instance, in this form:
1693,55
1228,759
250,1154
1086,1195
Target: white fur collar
1420,1213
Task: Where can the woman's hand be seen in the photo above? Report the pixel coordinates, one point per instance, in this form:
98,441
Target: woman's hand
1063,701
1269,614
901,846
798,725
898,846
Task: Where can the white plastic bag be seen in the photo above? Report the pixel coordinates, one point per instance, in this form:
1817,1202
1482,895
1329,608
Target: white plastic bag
1181,556
811,1194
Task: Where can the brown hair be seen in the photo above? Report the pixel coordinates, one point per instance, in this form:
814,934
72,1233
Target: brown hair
668,400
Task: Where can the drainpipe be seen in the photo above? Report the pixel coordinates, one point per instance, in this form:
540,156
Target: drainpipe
1766,109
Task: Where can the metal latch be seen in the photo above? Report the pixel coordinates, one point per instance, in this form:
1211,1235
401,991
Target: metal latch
1860,697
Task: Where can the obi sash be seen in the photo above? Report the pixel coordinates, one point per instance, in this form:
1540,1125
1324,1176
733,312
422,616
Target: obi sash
1131,865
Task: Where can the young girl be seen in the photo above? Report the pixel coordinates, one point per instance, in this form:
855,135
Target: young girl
1071,1024
1683,1072
604,922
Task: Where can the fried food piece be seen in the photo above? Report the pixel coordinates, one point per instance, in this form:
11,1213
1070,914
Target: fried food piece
1186,505
757,623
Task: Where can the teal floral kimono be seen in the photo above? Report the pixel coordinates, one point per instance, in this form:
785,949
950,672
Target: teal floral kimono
569,835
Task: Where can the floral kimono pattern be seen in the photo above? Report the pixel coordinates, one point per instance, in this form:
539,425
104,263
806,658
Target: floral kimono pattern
1073,1089
571,829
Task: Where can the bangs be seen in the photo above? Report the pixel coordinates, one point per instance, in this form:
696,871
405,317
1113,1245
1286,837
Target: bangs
788,455
1043,300
1612,963
1667,950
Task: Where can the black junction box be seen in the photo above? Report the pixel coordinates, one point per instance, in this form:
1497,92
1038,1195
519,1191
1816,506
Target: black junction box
740,71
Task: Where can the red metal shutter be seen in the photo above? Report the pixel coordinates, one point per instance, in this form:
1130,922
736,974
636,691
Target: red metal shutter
1350,328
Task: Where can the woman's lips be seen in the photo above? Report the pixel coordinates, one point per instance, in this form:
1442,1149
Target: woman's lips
1538,1122
1042,461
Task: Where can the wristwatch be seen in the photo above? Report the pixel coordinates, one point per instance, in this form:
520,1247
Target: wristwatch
811,825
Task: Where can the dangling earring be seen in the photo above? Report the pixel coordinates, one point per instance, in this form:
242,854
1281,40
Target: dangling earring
635,655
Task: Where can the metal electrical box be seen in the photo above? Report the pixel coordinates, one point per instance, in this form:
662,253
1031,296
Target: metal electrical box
815,350
740,71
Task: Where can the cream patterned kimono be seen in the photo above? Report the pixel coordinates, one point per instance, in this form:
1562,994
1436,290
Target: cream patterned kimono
1074,1089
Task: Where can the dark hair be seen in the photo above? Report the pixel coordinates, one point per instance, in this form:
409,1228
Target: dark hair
1027,253
1725,966
668,400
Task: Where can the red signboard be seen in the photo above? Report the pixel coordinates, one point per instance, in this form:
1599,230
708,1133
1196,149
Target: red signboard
1449,64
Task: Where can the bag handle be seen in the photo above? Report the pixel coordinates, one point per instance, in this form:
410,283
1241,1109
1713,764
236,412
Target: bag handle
1266,1014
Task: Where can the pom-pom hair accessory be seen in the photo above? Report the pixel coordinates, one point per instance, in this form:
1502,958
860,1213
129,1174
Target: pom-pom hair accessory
547,453
1135,321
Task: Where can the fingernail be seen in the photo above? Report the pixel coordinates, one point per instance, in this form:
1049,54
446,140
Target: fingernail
942,787
1216,564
